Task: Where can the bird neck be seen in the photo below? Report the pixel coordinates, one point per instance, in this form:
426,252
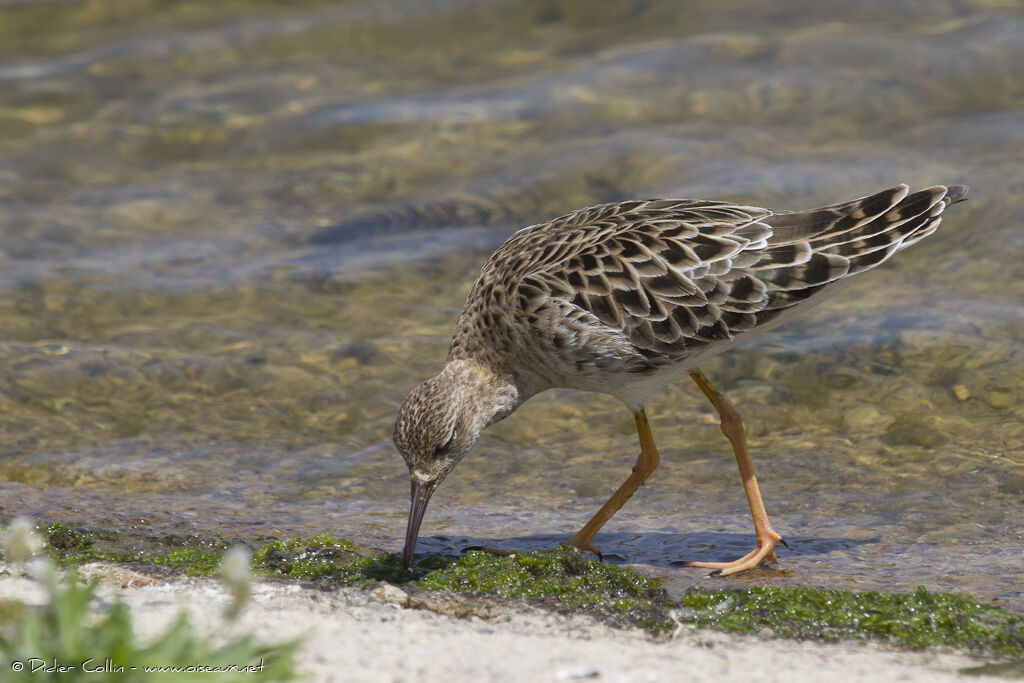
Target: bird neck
492,395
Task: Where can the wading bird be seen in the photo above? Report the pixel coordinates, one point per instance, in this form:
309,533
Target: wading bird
625,298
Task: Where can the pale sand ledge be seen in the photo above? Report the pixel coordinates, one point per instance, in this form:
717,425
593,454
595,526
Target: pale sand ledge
354,635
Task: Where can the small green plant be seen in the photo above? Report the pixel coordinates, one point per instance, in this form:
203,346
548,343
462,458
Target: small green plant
65,639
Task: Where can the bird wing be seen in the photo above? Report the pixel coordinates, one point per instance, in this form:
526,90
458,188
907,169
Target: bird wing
636,285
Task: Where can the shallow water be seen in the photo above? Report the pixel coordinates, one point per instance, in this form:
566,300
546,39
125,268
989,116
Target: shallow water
232,237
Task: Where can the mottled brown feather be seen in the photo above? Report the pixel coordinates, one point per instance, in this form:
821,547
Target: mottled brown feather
640,285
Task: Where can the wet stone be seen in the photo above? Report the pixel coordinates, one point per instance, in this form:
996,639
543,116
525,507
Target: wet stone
47,377
1000,399
914,430
391,594
1013,485
360,351
906,397
863,417
757,391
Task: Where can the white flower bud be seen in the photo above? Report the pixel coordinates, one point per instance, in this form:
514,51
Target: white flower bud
20,541
237,576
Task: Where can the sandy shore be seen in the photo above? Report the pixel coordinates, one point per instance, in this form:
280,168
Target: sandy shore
355,635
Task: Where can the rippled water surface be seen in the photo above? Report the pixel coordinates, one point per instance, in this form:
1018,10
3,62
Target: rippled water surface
233,235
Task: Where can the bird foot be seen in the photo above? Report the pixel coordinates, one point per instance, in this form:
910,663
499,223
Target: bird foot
584,546
763,554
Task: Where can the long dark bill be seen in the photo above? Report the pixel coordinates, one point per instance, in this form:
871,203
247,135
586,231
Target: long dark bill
421,491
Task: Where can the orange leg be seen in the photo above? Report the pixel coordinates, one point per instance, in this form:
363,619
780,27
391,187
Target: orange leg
646,463
732,427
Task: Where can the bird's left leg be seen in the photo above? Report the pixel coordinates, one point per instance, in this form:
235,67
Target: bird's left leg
732,427
646,463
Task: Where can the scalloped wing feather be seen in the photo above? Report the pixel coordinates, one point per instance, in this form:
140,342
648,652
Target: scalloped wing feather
639,285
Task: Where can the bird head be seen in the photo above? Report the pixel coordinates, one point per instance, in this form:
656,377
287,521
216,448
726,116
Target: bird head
439,422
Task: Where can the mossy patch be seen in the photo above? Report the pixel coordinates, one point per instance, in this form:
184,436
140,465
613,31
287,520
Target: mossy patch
563,576
1014,669
192,561
919,619
62,538
332,560
70,546
566,579
74,546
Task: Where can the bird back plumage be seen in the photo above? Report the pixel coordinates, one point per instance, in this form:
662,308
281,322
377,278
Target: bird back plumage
635,286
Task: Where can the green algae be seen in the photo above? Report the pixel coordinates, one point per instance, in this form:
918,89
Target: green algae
333,560
562,576
1014,669
313,558
564,579
63,538
69,546
192,561
918,620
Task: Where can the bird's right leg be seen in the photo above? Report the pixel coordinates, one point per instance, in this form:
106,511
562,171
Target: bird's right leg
732,427
646,463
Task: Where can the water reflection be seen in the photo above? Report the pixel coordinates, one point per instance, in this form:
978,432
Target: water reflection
652,548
